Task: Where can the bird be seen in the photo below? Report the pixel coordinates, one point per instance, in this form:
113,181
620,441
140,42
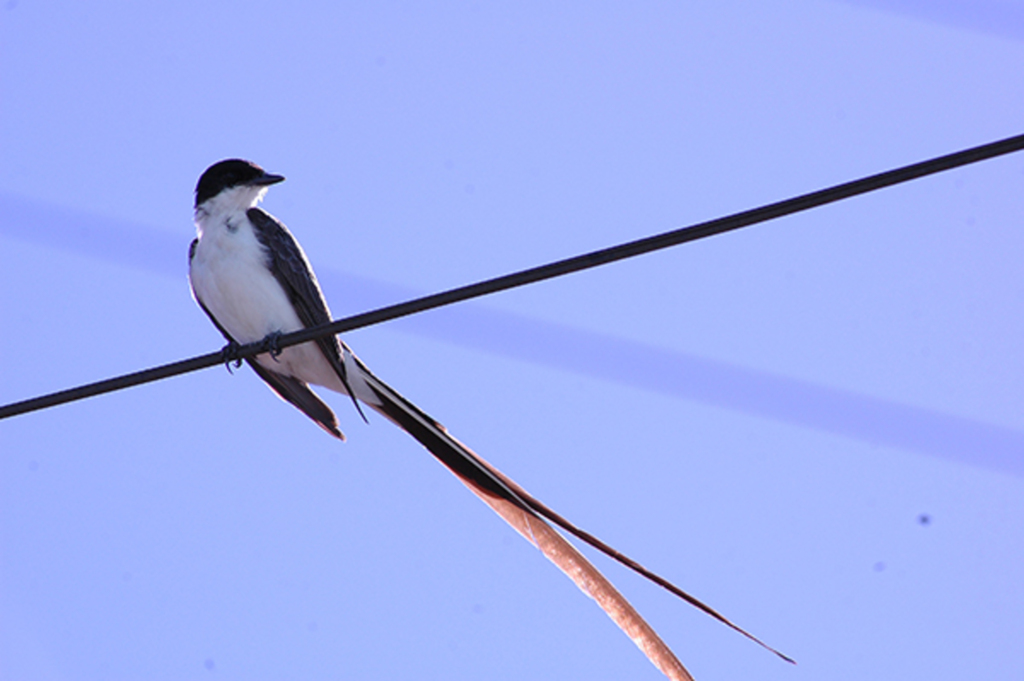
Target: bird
251,277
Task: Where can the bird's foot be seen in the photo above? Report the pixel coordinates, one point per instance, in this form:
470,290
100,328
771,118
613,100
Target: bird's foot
229,354
269,344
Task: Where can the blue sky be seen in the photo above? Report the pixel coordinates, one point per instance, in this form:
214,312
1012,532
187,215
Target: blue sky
814,424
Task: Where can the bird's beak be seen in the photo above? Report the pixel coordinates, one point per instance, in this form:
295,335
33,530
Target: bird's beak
267,179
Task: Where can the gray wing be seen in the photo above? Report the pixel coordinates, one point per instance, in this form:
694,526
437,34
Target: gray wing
292,270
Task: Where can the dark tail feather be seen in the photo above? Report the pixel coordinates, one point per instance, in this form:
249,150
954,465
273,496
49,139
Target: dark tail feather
490,483
492,489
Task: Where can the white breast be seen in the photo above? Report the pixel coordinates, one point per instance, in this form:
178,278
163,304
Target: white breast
230,276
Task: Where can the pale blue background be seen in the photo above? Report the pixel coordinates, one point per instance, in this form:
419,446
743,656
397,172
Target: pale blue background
816,425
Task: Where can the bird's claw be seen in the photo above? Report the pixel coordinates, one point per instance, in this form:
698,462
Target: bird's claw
229,354
269,344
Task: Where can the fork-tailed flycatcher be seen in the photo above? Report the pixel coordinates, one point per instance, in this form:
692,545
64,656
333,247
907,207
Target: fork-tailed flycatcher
250,276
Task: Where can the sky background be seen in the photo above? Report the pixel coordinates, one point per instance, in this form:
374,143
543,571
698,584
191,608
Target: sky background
816,425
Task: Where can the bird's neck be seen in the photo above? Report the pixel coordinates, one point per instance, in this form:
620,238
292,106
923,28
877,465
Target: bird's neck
227,209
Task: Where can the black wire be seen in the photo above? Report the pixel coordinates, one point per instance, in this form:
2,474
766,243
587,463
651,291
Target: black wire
549,271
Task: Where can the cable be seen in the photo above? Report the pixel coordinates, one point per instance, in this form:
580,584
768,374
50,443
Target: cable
533,275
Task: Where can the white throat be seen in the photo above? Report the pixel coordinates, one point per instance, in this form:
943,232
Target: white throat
223,208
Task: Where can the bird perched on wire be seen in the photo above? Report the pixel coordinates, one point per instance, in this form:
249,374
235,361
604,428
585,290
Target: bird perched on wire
251,277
